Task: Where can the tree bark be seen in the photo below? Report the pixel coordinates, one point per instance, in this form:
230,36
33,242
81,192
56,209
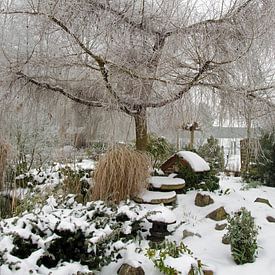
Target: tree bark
141,130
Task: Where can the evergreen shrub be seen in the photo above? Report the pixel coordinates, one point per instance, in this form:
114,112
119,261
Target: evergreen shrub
263,170
206,181
159,150
242,234
213,153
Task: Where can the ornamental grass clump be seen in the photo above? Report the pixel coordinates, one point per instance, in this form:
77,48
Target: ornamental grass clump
242,234
120,174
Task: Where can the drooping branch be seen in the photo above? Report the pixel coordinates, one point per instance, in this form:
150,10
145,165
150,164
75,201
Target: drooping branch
251,93
183,91
60,90
90,103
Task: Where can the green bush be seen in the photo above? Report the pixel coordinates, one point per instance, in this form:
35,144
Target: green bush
242,234
213,153
263,170
160,251
159,149
206,181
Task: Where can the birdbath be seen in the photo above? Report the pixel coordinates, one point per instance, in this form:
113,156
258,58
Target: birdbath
160,219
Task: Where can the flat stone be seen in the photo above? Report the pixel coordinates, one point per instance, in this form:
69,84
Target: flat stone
220,226
204,272
186,234
154,197
218,215
225,239
270,219
203,200
166,183
262,200
127,269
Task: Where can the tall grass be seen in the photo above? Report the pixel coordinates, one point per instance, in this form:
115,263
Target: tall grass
120,174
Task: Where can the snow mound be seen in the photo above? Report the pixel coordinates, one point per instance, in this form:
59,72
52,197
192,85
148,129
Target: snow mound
162,214
148,196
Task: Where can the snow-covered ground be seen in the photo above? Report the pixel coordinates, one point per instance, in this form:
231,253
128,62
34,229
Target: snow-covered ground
206,243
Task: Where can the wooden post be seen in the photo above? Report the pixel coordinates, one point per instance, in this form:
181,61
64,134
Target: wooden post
192,128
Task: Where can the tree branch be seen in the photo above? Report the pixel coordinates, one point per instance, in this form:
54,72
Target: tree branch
179,95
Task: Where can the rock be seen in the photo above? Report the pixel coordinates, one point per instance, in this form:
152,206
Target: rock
220,226
225,239
204,272
186,234
270,219
218,215
208,272
126,269
203,200
154,197
262,200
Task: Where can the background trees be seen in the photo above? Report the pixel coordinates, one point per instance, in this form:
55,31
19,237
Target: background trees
134,56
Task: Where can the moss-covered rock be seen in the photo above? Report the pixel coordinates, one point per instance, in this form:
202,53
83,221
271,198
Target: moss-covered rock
218,215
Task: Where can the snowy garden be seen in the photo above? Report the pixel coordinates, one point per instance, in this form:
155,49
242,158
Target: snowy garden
137,137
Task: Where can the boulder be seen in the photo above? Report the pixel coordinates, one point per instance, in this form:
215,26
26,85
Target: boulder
203,200
127,269
218,215
270,219
225,239
262,200
220,226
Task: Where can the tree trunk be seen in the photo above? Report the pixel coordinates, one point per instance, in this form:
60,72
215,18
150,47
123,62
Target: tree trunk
141,130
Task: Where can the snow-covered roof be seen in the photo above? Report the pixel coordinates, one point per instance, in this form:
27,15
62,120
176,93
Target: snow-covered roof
197,163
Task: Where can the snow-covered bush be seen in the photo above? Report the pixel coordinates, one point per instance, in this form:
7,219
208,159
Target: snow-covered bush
120,174
68,232
166,256
242,234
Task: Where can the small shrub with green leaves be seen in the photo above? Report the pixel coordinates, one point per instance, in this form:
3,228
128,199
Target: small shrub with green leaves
159,149
160,251
242,234
75,182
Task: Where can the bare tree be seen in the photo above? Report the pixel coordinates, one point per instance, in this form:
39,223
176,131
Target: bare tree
132,55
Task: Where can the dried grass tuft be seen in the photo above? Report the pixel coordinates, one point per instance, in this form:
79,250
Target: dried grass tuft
4,149
120,174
